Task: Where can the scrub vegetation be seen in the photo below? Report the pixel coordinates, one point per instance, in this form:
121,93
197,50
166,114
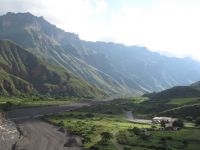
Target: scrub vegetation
104,127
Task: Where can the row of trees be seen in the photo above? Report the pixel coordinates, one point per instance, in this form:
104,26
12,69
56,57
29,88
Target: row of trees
177,123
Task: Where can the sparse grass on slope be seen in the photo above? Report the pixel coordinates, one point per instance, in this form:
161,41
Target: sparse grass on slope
25,73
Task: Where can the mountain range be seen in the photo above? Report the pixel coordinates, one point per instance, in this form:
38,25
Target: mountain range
21,72
104,67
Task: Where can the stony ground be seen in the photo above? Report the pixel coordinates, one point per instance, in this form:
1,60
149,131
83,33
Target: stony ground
8,135
39,135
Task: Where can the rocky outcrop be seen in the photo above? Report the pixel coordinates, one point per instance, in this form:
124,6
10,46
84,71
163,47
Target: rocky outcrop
8,133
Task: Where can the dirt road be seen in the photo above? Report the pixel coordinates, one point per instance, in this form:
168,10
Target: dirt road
129,117
39,135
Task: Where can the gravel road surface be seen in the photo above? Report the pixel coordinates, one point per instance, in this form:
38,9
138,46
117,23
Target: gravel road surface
39,135
129,117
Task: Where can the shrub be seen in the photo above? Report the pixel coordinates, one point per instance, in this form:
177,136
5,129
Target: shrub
145,135
89,115
127,148
185,142
80,116
61,124
136,131
105,137
188,118
178,123
122,137
153,127
7,106
163,124
197,121
169,138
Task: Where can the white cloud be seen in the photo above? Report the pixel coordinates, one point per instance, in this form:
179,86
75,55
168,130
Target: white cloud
168,26
163,27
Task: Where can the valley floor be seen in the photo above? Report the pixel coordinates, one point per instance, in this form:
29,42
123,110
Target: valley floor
37,134
99,125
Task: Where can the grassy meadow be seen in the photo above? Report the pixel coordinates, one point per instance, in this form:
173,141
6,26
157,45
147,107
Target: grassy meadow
7,103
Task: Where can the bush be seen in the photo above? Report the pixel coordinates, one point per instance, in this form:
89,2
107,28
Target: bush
169,138
7,106
178,123
127,148
136,131
185,142
153,127
61,124
122,137
89,115
197,121
163,124
145,135
163,139
188,118
105,138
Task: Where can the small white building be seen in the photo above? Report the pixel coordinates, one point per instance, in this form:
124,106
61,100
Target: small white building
157,120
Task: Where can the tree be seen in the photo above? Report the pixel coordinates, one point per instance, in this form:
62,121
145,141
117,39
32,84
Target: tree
7,106
106,135
163,124
197,121
105,138
178,123
136,131
61,124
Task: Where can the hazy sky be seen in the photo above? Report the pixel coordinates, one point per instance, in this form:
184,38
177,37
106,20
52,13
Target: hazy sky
168,26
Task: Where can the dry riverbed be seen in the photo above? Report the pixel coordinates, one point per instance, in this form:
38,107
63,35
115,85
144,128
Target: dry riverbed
37,134
8,135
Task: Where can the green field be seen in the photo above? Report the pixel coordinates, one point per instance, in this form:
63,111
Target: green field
184,101
16,102
91,125
187,139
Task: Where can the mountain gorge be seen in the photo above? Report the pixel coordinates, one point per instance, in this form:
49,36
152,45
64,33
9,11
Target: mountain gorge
113,68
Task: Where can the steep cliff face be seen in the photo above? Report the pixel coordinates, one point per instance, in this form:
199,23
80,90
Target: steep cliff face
22,72
56,46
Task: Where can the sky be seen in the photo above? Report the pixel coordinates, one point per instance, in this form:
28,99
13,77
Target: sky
171,27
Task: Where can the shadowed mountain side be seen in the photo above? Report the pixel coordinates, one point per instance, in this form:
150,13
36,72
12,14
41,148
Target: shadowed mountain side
176,92
52,44
22,72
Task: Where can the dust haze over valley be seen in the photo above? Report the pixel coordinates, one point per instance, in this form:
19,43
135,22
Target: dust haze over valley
99,75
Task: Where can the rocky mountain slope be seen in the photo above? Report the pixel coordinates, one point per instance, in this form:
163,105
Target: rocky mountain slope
21,72
115,68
